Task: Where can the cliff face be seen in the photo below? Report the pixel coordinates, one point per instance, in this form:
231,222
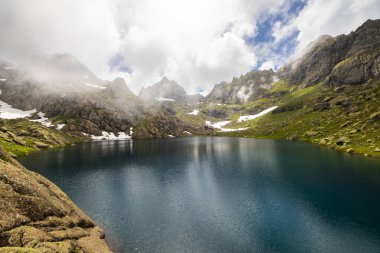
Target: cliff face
37,216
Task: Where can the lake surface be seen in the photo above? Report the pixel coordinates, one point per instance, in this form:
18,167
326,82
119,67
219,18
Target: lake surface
221,194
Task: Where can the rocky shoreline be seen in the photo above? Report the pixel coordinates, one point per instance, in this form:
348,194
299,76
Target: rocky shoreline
36,216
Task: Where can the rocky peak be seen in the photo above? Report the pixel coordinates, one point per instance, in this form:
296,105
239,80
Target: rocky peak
243,89
119,85
366,36
163,89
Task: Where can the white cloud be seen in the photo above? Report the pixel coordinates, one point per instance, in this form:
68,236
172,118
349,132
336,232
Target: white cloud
281,31
195,42
336,17
267,65
83,28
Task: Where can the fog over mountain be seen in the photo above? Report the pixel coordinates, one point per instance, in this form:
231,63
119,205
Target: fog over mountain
196,43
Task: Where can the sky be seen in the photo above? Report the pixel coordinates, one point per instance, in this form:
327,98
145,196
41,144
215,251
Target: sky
197,43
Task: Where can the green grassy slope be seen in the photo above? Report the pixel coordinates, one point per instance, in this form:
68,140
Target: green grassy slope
20,137
347,119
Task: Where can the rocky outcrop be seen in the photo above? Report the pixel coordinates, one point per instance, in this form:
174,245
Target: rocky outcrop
319,60
246,88
345,59
163,124
37,216
20,137
356,69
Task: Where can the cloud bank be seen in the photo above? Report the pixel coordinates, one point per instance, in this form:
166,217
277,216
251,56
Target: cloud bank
197,43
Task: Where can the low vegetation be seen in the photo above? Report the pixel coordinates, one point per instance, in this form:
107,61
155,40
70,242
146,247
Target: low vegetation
20,137
346,118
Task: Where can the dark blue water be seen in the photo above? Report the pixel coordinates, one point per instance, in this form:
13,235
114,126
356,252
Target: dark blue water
221,194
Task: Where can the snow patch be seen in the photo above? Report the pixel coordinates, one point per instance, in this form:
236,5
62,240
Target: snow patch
195,112
251,117
8,112
171,136
219,125
43,120
95,86
111,136
187,132
233,129
60,126
164,99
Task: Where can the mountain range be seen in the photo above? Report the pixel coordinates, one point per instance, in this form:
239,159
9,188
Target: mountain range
333,73
68,93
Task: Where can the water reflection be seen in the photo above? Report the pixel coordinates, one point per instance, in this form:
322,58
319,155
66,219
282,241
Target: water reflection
221,194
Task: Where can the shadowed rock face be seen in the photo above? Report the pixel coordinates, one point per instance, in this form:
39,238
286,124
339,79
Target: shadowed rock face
36,215
345,59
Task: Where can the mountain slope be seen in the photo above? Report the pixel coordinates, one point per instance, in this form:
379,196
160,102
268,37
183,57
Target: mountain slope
345,59
330,96
167,90
68,93
60,70
243,89
347,120
21,136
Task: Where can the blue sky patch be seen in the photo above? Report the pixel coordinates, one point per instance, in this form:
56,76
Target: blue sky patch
117,64
264,34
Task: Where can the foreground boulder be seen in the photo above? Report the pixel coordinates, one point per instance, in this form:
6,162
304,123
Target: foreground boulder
36,216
